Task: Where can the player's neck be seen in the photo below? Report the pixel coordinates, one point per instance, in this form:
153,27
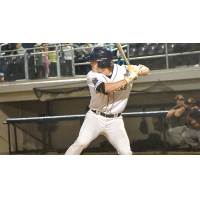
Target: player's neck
107,71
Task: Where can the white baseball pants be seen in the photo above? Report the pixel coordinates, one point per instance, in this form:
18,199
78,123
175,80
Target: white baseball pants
176,134
191,134
94,125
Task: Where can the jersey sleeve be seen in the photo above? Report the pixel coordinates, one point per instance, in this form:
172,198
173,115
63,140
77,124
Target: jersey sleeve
93,81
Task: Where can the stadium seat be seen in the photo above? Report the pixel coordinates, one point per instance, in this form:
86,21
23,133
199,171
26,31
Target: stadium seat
143,44
142,51
152,49
171,47
132,52
161,48
10,72
132,45
184,47
193,59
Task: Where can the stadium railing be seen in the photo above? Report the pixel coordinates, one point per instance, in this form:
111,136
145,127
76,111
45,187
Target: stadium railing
13,149
32,69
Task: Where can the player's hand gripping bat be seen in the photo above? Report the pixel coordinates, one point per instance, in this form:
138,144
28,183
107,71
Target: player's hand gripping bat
118,45
141,72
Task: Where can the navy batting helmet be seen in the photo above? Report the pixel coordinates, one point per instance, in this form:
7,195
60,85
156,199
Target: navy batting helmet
103,55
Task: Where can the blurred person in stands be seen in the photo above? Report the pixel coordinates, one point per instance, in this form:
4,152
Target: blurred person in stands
46,61
177,121
100,44
88,50
110,47
79,53
53,61
87,53
68,57
120,58
193,124
39,61
9,48
20,49
2,78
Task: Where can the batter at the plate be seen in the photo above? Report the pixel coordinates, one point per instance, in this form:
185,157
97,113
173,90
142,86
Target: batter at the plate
110,86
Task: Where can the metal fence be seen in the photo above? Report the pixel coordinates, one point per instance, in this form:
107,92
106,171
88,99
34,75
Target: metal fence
42,129
68,61
147,131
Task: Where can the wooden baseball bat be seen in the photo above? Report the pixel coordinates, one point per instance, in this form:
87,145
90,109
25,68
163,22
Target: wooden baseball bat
118,45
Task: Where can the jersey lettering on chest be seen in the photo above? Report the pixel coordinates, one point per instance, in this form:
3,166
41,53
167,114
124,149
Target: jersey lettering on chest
122,88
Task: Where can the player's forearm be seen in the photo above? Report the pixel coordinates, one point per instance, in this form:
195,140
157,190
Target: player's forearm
111,87
179,112
170,113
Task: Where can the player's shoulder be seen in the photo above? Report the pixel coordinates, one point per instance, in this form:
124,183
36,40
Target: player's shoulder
91,75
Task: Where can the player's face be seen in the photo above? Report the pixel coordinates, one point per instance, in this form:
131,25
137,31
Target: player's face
179,102
94,65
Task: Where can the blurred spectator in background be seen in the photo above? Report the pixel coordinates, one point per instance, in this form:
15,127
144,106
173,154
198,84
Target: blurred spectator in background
88,50
119,56
68,58
20,49
9,47
120,60
39,44
53,62
46,61
52,56
100,44
110,47
79,54
2,78
177,121
40,68
193,124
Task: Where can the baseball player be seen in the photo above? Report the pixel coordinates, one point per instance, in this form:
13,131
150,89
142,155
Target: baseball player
110,86
193,123
177,121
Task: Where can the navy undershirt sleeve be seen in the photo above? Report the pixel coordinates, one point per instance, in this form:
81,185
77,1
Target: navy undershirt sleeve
101,88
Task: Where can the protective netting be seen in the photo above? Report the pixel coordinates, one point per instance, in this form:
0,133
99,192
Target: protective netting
56,90
63,90
157,87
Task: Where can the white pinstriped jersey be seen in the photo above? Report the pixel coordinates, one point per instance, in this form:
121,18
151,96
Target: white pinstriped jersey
115,102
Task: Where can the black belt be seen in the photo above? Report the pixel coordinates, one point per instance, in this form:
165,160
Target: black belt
104,115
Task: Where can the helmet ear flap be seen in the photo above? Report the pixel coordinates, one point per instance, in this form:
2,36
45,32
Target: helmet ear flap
102,64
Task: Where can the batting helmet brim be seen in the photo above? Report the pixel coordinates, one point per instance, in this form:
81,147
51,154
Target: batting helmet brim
91,58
